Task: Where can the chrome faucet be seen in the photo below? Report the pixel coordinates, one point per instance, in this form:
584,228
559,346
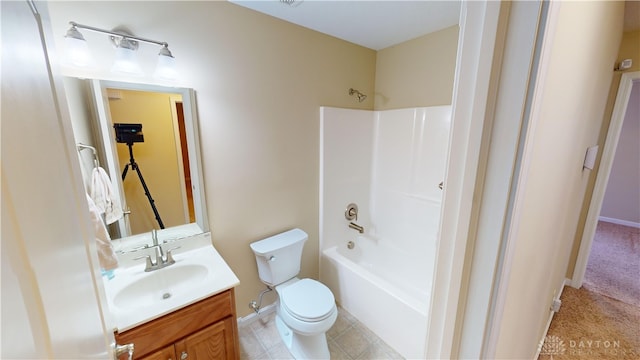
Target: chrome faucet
161,260
154,236
352,213
357,227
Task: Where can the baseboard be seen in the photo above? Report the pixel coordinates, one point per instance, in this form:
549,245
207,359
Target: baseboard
546,330
572,283
619,222
246,320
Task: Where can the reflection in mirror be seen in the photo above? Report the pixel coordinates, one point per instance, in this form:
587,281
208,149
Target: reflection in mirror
146,139
153,158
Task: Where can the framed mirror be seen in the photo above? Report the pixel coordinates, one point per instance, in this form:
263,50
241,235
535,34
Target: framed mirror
147,140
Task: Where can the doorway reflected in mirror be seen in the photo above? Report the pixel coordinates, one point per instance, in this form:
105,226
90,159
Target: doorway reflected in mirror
162,197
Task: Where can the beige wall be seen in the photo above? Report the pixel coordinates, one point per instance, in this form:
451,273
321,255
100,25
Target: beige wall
629,48
80,112
417,72
157,159
259,84
572,104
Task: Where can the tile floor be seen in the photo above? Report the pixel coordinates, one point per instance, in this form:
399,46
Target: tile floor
348,339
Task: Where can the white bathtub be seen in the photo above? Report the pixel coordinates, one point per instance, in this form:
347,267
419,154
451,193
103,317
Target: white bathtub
384,288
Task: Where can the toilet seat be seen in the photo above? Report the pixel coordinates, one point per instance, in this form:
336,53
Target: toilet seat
308,300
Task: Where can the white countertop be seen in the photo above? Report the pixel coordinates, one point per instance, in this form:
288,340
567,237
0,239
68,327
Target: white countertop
150,304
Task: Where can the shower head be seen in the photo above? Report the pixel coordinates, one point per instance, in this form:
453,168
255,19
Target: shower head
360,96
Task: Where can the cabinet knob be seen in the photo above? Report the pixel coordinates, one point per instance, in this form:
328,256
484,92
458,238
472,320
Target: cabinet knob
184,355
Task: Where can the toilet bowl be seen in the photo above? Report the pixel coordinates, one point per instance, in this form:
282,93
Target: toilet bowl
305,312
306,308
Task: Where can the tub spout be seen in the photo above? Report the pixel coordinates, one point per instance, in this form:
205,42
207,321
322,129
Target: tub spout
357,227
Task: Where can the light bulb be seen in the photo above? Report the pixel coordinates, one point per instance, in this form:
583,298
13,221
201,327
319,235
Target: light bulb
126,61
77,50
166,66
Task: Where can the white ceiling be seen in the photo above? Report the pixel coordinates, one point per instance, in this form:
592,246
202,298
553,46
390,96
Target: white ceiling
372,24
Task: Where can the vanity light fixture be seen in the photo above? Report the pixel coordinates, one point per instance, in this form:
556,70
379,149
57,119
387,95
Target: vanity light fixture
77,50
166,69
126,61
126,48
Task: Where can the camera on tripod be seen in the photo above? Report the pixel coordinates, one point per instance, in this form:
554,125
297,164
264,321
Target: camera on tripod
128,133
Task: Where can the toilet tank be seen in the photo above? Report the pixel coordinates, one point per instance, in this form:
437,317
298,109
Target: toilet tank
278,257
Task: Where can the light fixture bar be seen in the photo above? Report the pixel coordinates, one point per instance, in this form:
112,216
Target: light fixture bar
81,26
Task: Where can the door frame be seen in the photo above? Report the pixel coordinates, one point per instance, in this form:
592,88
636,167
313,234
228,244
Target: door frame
474,60
602,177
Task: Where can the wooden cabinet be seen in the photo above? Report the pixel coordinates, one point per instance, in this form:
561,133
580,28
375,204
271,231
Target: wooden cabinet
204,330
165,354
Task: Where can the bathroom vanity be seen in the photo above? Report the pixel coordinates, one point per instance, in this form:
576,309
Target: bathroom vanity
185,310
204,330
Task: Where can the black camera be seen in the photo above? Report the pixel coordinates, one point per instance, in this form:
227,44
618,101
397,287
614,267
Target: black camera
128,133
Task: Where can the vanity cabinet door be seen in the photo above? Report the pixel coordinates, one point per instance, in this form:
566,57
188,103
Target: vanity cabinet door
214,342
206,330
168,353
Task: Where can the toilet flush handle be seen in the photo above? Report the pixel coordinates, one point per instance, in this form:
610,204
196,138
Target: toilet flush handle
272,258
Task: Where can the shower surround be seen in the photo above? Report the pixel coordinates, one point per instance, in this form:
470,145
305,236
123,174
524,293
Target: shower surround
390,163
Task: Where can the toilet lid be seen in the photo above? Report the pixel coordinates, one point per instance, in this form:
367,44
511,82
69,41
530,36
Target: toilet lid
308,300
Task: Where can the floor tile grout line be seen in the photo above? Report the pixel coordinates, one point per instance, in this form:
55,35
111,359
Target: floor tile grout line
265,349
343,350
373,342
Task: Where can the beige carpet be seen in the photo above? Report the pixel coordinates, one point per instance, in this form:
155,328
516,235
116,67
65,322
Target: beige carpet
602,319
593,326
613,269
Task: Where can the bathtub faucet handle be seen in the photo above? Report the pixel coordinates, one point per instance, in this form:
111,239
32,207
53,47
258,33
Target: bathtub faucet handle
352,212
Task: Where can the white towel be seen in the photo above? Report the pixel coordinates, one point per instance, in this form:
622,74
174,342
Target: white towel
102,194
106,256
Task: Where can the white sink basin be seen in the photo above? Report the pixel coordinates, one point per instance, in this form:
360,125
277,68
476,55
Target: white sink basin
135,296
160,285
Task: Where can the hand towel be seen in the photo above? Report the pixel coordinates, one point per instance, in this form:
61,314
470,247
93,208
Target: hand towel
106,255
102,194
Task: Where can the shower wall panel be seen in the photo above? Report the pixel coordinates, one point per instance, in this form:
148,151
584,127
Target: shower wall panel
345,170
409,158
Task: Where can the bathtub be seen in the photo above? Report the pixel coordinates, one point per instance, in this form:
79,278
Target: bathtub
384,288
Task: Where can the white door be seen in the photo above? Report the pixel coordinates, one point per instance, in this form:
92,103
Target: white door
51,306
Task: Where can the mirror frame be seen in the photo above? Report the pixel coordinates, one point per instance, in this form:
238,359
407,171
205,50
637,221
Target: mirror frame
106,138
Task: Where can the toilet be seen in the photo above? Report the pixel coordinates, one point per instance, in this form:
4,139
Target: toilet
306,308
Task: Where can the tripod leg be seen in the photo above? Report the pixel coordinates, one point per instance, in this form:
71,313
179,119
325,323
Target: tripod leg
148,194
124,172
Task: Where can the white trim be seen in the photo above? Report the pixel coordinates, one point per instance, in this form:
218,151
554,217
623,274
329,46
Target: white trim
514,76
476,41
619,222
546,331
602,178
253,317
520,179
